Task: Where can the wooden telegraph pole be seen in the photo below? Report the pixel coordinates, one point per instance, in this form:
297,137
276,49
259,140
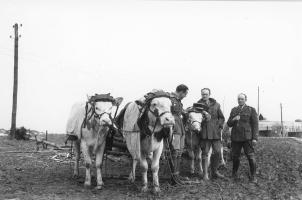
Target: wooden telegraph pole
258,104
15,86
282,131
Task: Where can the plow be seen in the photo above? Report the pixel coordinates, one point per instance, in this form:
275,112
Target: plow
116,151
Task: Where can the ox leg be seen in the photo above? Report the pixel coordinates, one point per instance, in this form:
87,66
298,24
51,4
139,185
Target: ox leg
77,158
132,173
210,155
155,168
198,156
98,164
192,161
88,163
144,166
223,163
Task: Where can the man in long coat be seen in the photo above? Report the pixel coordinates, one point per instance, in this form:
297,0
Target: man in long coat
210,135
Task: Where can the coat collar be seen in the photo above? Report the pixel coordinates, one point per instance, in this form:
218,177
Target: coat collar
211,100
238,108
174,95
241,107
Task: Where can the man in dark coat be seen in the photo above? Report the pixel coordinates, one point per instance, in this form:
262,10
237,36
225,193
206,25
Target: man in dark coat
244,122
211,133
177,144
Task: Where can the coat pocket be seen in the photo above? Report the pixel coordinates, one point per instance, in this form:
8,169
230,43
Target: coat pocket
244,117
238,133
248,132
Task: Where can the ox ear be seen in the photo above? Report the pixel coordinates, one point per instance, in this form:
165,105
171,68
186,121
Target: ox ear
118,101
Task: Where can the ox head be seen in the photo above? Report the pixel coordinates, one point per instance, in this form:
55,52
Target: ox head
102,106
160,112
194,120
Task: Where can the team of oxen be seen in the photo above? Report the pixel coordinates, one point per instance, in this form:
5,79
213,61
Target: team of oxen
150,126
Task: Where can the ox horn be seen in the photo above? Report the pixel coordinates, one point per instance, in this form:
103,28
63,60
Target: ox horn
118,101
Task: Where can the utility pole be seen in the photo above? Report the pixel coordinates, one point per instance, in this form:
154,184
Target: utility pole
281,108
258,104
223,105
15,86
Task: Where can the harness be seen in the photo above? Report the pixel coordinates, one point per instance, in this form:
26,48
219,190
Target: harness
143,122
195,109
194,121
90,108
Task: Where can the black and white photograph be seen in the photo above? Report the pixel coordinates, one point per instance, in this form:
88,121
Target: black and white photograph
150,99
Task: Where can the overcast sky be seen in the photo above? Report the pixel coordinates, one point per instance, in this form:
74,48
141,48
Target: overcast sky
69,49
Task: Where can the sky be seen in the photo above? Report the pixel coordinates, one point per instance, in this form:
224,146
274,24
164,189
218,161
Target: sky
71,49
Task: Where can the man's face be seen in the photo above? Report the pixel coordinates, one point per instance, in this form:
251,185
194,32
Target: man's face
182,95
205,94
241,99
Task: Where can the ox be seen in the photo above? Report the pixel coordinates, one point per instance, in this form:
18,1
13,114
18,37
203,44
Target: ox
154,123
91,122
193,126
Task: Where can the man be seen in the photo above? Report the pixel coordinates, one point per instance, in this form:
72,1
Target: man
211,133
244,122
177,144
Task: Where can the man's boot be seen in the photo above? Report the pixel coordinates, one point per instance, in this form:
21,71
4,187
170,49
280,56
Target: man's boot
205,166
215,160
181,178
236,163
176,165
252,163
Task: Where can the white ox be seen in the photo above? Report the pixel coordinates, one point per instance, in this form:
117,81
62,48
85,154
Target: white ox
159,123
192,140
91,134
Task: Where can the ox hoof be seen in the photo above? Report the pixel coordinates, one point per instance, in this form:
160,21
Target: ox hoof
87,185
75,176
144,189
131,179
99,187
206,178
156,190
200,174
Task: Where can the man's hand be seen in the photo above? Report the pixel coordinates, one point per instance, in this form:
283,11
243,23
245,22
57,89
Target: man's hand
207,115
237,118
254,142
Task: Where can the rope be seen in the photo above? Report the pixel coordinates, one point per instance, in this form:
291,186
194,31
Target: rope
170,163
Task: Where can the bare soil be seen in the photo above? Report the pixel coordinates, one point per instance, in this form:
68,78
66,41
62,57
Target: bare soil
37,176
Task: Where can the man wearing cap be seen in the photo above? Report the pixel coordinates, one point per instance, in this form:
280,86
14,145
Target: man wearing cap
244,122
177,144
211,133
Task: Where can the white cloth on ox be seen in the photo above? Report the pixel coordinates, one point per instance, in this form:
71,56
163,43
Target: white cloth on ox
76,119
131,130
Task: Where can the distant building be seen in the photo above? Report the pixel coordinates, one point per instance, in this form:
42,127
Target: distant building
274,128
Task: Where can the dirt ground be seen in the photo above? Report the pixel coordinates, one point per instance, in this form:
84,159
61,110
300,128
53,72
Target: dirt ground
37,176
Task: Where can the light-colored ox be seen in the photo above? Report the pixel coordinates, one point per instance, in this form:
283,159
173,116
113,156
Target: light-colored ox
159,116
193,125
91,132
